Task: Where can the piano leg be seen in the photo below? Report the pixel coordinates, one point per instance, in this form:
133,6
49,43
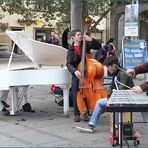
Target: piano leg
66,99
24,94
14,100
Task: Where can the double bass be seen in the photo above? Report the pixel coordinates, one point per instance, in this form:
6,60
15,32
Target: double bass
92,72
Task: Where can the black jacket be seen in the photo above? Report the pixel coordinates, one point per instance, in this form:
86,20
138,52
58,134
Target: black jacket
142,69
123,78
73,58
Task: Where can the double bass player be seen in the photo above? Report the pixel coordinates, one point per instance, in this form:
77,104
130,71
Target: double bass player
74,58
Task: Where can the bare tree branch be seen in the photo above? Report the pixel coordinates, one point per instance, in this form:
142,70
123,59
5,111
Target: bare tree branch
102,16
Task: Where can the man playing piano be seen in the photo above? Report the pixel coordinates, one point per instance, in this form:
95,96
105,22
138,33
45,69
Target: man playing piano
116,72
73,60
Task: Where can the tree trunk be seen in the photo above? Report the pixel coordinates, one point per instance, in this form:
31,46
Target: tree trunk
76,14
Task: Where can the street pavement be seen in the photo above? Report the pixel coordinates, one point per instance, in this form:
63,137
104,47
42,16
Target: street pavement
48,126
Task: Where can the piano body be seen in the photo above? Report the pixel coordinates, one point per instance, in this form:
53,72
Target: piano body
47,67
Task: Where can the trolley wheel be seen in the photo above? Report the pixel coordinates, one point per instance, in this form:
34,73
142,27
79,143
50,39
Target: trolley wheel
115,143
136,142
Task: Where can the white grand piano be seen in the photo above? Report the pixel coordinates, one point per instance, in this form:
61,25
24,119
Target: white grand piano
46,66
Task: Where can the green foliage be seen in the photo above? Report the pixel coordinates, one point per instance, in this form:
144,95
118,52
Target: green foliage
57,9
44,9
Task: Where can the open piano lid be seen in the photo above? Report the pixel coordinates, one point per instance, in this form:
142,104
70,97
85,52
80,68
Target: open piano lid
40,53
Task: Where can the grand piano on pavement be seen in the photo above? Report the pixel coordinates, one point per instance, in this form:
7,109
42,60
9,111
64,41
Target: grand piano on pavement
47,67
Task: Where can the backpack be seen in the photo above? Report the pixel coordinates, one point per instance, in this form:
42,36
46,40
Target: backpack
58,93
27,107
100,55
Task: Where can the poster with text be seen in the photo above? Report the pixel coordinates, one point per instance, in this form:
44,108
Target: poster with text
131,20
134,53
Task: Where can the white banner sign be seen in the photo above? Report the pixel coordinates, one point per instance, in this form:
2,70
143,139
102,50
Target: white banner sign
131,20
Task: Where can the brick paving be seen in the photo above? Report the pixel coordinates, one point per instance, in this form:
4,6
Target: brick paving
48,127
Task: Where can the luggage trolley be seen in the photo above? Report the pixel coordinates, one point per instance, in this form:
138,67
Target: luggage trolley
126,129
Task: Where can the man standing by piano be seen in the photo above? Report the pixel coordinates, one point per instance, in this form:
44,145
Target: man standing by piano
3,105
73,59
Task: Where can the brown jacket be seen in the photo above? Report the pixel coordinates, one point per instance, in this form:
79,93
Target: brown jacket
142,69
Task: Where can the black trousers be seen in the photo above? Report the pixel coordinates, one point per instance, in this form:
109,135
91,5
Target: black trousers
75,86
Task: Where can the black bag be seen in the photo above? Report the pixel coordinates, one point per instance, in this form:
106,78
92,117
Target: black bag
128,129
27,107
100,55
58,92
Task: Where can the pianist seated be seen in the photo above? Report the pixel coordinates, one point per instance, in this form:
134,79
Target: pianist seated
4,106
113,67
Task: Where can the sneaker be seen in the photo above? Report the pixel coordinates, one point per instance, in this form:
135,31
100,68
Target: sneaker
5,104
5,112
84,130
77,118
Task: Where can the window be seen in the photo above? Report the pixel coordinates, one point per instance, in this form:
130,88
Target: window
41,7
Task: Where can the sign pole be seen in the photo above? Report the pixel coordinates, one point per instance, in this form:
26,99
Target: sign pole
132,38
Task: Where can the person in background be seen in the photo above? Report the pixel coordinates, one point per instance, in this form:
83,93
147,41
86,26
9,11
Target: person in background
44,39
53,39
112,65
3,105
110,48
74,58
65,38
99,55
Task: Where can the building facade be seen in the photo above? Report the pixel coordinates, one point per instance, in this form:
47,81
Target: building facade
115,24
